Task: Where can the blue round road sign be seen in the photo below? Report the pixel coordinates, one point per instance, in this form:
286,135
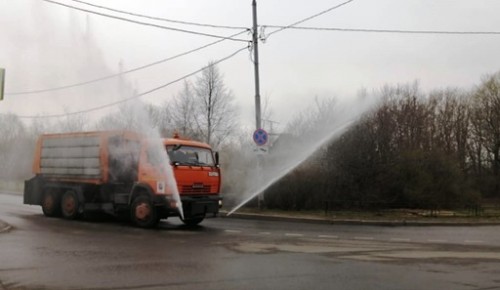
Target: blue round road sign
260,137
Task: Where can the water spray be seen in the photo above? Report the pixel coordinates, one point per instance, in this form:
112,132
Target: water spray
285,171
344,119
167,170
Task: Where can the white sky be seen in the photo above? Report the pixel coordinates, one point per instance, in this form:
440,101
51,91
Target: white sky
41,46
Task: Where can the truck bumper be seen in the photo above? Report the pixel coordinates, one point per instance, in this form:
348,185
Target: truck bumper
198,206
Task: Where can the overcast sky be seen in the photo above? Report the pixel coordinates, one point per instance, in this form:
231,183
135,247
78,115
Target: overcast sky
43,45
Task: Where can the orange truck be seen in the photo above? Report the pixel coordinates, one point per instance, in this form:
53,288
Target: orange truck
124,173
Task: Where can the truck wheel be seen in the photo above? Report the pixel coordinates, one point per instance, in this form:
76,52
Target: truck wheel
143,213
191,222
50,204
70,205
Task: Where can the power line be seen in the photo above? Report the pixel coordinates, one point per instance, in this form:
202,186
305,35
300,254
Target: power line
121,73
138,95
145,23
387,30
159,18
308,18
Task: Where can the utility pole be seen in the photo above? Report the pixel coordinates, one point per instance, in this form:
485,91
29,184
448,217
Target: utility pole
255,43
258,121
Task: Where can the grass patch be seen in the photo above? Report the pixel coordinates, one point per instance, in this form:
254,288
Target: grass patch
486,214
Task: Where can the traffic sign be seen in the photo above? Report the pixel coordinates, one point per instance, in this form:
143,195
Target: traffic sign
261,150
260,137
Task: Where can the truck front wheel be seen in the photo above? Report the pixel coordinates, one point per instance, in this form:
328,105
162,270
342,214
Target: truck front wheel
143,213
191,222
50,204
70,205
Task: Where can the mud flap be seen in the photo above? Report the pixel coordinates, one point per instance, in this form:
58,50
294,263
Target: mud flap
33,191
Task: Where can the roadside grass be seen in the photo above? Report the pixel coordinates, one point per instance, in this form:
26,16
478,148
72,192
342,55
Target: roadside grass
486,214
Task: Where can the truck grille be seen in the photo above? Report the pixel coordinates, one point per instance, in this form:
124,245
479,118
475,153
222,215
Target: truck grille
195,189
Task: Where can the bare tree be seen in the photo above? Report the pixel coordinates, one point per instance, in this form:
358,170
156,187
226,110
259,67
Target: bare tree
15,149
160,118
451,131
123,119
215,109
412,116
183,112
73,123
135,116
486,124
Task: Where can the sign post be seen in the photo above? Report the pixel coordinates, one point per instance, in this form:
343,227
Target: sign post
260,137
2,82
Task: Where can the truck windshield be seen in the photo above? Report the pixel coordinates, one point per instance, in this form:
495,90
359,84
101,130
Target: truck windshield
188,155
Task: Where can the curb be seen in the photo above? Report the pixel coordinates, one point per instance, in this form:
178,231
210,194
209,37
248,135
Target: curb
388,223
14,193
264,217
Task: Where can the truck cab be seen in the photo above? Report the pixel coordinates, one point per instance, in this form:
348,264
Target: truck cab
196,173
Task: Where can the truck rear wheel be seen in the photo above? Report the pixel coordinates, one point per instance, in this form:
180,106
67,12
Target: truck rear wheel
70,205
50,203
143,213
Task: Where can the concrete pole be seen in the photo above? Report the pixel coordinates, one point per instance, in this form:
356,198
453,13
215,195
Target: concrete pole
255,42
258,120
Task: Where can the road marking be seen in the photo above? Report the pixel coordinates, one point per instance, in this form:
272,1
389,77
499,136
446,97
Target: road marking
400,239
436,241
473,242
264,233
364,238
233,231
293,235
328,237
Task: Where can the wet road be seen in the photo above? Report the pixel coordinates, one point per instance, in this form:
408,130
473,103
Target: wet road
47,253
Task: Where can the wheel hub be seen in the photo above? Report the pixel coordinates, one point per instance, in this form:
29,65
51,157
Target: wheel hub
142,211
48,201
69,205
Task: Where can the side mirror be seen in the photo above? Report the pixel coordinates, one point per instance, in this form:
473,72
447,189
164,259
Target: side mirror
217,159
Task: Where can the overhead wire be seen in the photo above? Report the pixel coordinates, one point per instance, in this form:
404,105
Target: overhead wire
137,95
121,73
400,31
145,23
308,18
160,18
222,38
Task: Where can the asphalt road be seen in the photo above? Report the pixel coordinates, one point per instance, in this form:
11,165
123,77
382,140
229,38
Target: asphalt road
225,253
